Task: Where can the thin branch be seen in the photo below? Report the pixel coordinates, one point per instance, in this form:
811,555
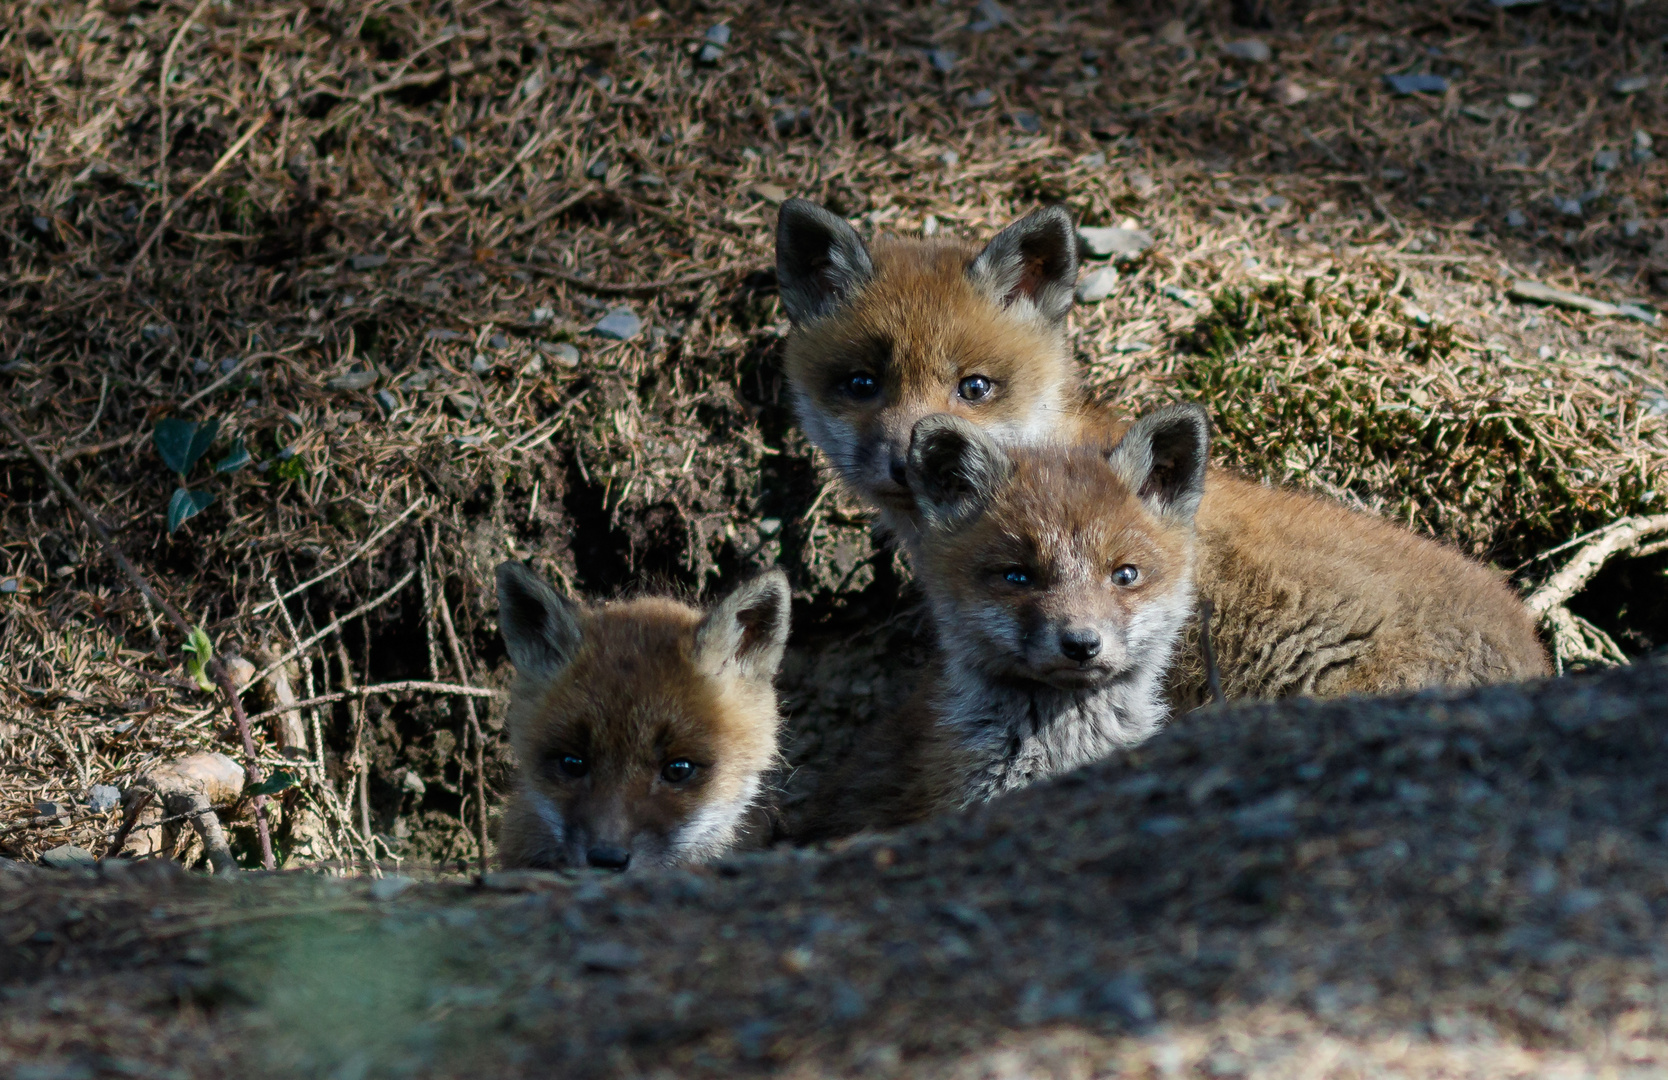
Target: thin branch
216,668
335,624
408,686
345,563
474,721
1614,539
624,288
168,209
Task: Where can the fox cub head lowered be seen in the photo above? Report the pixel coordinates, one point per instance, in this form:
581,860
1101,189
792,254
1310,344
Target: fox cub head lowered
1070,567
643,729
884,337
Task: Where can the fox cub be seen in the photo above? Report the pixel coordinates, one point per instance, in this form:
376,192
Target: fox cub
1310,598
1059,581
643,729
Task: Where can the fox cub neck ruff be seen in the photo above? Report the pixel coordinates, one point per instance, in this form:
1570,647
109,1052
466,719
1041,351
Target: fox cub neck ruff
1060,580
642,729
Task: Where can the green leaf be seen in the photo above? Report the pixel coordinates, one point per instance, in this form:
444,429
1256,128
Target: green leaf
232,462
273,784
181,443
291,469
198,650
173,440
186,505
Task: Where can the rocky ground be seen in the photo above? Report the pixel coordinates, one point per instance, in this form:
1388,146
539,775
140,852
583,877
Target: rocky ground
1464,885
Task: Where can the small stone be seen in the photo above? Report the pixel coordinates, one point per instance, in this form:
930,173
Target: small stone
598,169
352,381
1097,285
709,54
978,99
480,365
949,157
1567,206
386,888
1103,243
991,14
1026,122
611,956
367,262
49,810
102,798
1250,50
1181,296
1272,203
1607,160
459,144
1630,84
41,224
443,335
1516,219
1416,84
1522,101
561,352
620,324
542,315
1642,140
771,193
413,783
943,61
498,341
228,365
386,401
718,35
1173,32
1632,227
8,585
1287,92
68,857
200,366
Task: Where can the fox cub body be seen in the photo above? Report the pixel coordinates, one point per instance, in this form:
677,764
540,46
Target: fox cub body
1060,580
642,729
1309,597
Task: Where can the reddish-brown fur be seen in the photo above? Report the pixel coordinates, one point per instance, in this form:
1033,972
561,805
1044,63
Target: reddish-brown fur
1310,597
634,687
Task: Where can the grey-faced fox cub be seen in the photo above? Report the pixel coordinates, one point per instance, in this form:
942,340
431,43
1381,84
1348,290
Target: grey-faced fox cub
1059,579
1309,597
642,729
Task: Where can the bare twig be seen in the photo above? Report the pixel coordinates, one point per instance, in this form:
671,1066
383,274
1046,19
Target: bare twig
168,210
408,686
129,820
1574,638
455,70
345,563
625,288
335,624
456,650
216,668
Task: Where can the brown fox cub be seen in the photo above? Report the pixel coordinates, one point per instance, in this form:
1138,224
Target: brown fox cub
1309,597
1059,580
643,729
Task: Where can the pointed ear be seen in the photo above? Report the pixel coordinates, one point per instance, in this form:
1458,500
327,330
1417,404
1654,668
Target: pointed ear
820,260
748,628
1162,458
954,468
540,628
1031,264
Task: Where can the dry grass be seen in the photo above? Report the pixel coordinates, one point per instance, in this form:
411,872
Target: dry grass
523,167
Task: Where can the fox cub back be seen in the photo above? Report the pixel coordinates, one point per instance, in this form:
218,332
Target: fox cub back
642,729
1059,580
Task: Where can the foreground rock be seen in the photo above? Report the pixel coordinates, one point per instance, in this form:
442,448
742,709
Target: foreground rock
1439,886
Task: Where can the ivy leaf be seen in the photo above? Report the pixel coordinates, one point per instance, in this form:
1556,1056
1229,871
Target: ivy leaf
273,784
198,650
173,440
232,462
186,505
181,443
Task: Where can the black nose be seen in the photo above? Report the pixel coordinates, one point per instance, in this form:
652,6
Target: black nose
608,858
1080,644
898,476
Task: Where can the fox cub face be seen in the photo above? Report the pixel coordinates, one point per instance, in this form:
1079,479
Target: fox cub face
884,338
1066,566
643,728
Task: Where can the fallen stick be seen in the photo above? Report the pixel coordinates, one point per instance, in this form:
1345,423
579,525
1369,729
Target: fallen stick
474,723
215,667
406,687
335,625
345,563
1613,539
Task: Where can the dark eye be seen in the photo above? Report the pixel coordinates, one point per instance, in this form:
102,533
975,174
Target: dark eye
1017,576
676,772
974,388
861,385
572,765
1126,575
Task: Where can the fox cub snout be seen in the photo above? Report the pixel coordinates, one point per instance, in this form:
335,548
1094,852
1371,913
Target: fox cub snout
642,729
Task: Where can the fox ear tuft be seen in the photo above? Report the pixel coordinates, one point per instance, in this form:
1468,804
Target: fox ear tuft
540,628
1031,264
820,260
954,468
748,628
1162,458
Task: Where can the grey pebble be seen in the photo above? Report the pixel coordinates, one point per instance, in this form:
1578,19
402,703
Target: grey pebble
978,99
1097,285
352,380
719,35
1516,219
1103,243
1027,122
1630,84
620,324
1606,160
1417,84
942,60
367,262
1251,50
1271,203
103,798
67,857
